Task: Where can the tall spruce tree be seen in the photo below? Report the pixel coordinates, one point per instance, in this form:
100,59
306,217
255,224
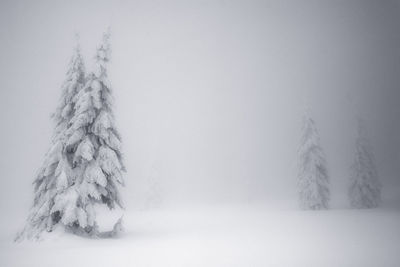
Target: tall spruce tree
365,188
55,174
96,146
313,179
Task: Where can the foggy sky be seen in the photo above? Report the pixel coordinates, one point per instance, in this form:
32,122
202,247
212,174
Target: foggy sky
209,92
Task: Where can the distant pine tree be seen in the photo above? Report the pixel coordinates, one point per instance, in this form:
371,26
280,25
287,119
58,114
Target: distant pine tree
96,146
365,188
154,190
313,180
55,174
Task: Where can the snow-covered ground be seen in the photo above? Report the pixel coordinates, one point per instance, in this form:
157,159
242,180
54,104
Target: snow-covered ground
225,236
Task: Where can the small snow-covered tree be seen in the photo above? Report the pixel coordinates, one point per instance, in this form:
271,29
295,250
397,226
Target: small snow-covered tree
154,197
96,146
365,188
55,174
313,179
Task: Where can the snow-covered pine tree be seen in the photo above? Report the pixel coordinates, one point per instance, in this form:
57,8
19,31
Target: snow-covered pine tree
97,157
365,188
73,84
55,174
313,179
